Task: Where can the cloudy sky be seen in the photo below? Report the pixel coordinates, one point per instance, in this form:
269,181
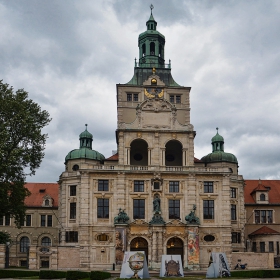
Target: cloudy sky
70,54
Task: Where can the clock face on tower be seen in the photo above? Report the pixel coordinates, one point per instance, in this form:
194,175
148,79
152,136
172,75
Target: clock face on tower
153,92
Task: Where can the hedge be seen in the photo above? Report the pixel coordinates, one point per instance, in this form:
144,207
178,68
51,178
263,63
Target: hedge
76,274
52,274
7,273
256,273
99,275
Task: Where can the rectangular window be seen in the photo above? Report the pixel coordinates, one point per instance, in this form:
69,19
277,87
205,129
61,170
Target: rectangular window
208,187
138,186
257,216
269,216
175,98
178,98
271,246
174,186
208,209
254,247
138,208
233,212
46,220
103,185
235,237
73,191
262,247
233,192
49,219
7,220
172,99
129,97
103,208
43,220
135,97
156,185
73,210
263,216
174,209
27,221
71,236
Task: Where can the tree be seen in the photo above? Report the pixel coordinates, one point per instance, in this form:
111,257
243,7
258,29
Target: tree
22,145
4,237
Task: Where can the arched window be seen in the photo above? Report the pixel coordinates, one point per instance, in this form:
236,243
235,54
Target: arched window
152,48
139,152
262,197
24,244
160,51
46,241
173,153
143,49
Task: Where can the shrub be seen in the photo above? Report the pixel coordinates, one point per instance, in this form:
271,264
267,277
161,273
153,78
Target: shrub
256,273
52,274
99,275
76,274
17,273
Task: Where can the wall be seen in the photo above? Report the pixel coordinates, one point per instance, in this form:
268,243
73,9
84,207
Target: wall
2,255
254,260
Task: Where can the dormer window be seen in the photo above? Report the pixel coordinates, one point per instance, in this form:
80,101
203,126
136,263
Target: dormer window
47,201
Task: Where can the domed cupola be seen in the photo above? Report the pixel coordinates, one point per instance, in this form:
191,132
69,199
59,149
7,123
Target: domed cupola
218,154
85,150
151,45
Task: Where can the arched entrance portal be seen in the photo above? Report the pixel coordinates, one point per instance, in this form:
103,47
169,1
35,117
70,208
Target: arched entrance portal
139,244
175,246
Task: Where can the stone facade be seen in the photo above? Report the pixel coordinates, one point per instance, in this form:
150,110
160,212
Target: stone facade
153,178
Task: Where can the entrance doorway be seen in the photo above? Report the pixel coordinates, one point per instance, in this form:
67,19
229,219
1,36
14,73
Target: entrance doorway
139,244
175,246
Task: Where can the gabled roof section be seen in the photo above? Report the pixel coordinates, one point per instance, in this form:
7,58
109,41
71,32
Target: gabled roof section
264,230
113,157
39,191
197,160
251,186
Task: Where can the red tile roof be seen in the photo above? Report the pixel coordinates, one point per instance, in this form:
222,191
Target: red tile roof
264,230
36,197
254,185
197,160
113,157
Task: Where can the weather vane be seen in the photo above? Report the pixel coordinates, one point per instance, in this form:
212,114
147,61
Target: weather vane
151,8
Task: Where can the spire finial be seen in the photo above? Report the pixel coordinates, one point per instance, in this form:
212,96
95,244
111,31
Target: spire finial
86,126
217,129
151,7
154,70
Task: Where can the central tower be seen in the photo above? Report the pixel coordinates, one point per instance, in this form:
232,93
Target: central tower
153,110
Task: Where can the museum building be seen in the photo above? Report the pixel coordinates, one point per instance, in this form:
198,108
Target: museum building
152,195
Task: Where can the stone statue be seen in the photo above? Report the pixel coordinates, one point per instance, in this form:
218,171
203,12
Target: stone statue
122,217
156,203
191,218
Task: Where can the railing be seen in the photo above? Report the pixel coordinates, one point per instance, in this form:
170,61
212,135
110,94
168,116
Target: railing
156,64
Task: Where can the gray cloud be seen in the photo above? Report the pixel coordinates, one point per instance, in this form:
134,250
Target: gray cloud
69,55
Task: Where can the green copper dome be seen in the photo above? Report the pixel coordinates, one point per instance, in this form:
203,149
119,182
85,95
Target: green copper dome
218,154
84,153
85,150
